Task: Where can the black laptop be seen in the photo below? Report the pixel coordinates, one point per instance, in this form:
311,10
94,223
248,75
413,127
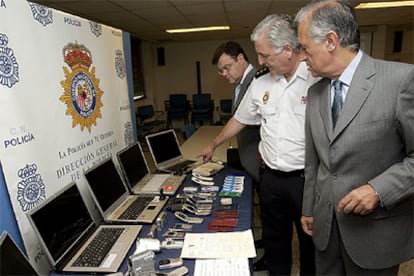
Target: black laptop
69,235
12,260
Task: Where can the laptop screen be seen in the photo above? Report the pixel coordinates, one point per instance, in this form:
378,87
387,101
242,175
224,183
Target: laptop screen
164,146
106,183
12,259
61,221
133,164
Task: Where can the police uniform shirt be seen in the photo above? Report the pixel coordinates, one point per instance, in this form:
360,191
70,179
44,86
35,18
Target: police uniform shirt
279,106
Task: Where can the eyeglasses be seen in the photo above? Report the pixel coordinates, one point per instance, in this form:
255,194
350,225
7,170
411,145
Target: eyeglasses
226,68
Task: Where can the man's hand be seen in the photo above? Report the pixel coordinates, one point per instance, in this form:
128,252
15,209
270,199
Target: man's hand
360,201
307,225
207,153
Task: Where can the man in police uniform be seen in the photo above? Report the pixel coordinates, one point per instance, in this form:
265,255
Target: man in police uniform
276,100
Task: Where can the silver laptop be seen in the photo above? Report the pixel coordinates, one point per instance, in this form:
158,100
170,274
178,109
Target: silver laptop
113,199
138,177
166,153
67,231
12,259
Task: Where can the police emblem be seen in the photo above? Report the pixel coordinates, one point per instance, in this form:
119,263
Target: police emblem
96,28
41,14
82,95
120,66
31,189
9,69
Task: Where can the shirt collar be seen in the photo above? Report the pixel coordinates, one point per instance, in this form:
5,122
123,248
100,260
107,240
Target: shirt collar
348,73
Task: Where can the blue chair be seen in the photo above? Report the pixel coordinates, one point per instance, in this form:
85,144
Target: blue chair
187,131
225,110
177,108
203,107
149,120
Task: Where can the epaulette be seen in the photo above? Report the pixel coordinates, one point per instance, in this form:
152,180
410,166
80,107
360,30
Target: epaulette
261,71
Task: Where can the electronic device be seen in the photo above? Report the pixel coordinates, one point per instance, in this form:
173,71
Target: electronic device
172,244
200,181
166,153
138,177
174,235
181,227
113,199
181,271
12,259
194,210
65,228
208,169
180,215
142,262
170,263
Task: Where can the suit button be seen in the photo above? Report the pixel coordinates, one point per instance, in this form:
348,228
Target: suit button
334,176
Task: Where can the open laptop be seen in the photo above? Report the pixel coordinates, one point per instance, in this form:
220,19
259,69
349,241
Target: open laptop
166,153
12,259
67,231
138,177
113,199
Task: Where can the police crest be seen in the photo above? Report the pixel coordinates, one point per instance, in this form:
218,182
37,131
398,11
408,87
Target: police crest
82,95
9,69
31,189
41,14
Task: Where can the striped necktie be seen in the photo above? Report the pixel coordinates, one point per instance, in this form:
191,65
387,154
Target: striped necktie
337,102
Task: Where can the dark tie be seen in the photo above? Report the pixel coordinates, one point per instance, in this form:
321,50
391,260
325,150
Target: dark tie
337,102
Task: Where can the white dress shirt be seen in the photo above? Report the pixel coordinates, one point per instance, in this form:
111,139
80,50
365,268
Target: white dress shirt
279,107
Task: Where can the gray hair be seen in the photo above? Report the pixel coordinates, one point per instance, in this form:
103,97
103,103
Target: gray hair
279,30
331,15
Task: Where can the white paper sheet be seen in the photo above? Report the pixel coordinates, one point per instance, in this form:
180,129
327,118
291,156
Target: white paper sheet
221,245
222,267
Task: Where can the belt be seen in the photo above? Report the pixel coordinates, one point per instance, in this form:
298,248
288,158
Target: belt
282,173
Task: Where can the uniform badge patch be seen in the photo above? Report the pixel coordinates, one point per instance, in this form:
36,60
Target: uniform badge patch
82,94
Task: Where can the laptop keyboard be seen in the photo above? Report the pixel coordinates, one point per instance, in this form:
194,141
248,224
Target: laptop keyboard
99,247
180,166
135,209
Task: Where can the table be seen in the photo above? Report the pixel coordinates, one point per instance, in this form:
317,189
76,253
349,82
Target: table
245,220
201,138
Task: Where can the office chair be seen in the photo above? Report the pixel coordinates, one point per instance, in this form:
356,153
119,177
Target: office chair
177,108
149,120
187,131
203,107
225,110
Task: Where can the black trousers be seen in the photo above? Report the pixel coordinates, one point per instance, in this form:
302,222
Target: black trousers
281,206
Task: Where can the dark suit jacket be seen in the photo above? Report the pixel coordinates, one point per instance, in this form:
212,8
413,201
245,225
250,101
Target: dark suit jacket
373,142
248,139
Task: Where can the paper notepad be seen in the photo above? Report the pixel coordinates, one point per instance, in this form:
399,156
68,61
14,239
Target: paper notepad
219,245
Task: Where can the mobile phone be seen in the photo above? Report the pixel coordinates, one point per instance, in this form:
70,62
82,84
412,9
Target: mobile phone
172,244
170,263
181,227
174,235
188,219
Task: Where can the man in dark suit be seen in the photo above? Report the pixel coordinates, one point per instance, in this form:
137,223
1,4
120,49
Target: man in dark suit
234,66
358,201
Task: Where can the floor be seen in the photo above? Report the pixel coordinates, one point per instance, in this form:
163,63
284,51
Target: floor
406,269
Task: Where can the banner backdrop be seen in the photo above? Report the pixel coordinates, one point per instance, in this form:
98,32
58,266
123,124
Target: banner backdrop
64,105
